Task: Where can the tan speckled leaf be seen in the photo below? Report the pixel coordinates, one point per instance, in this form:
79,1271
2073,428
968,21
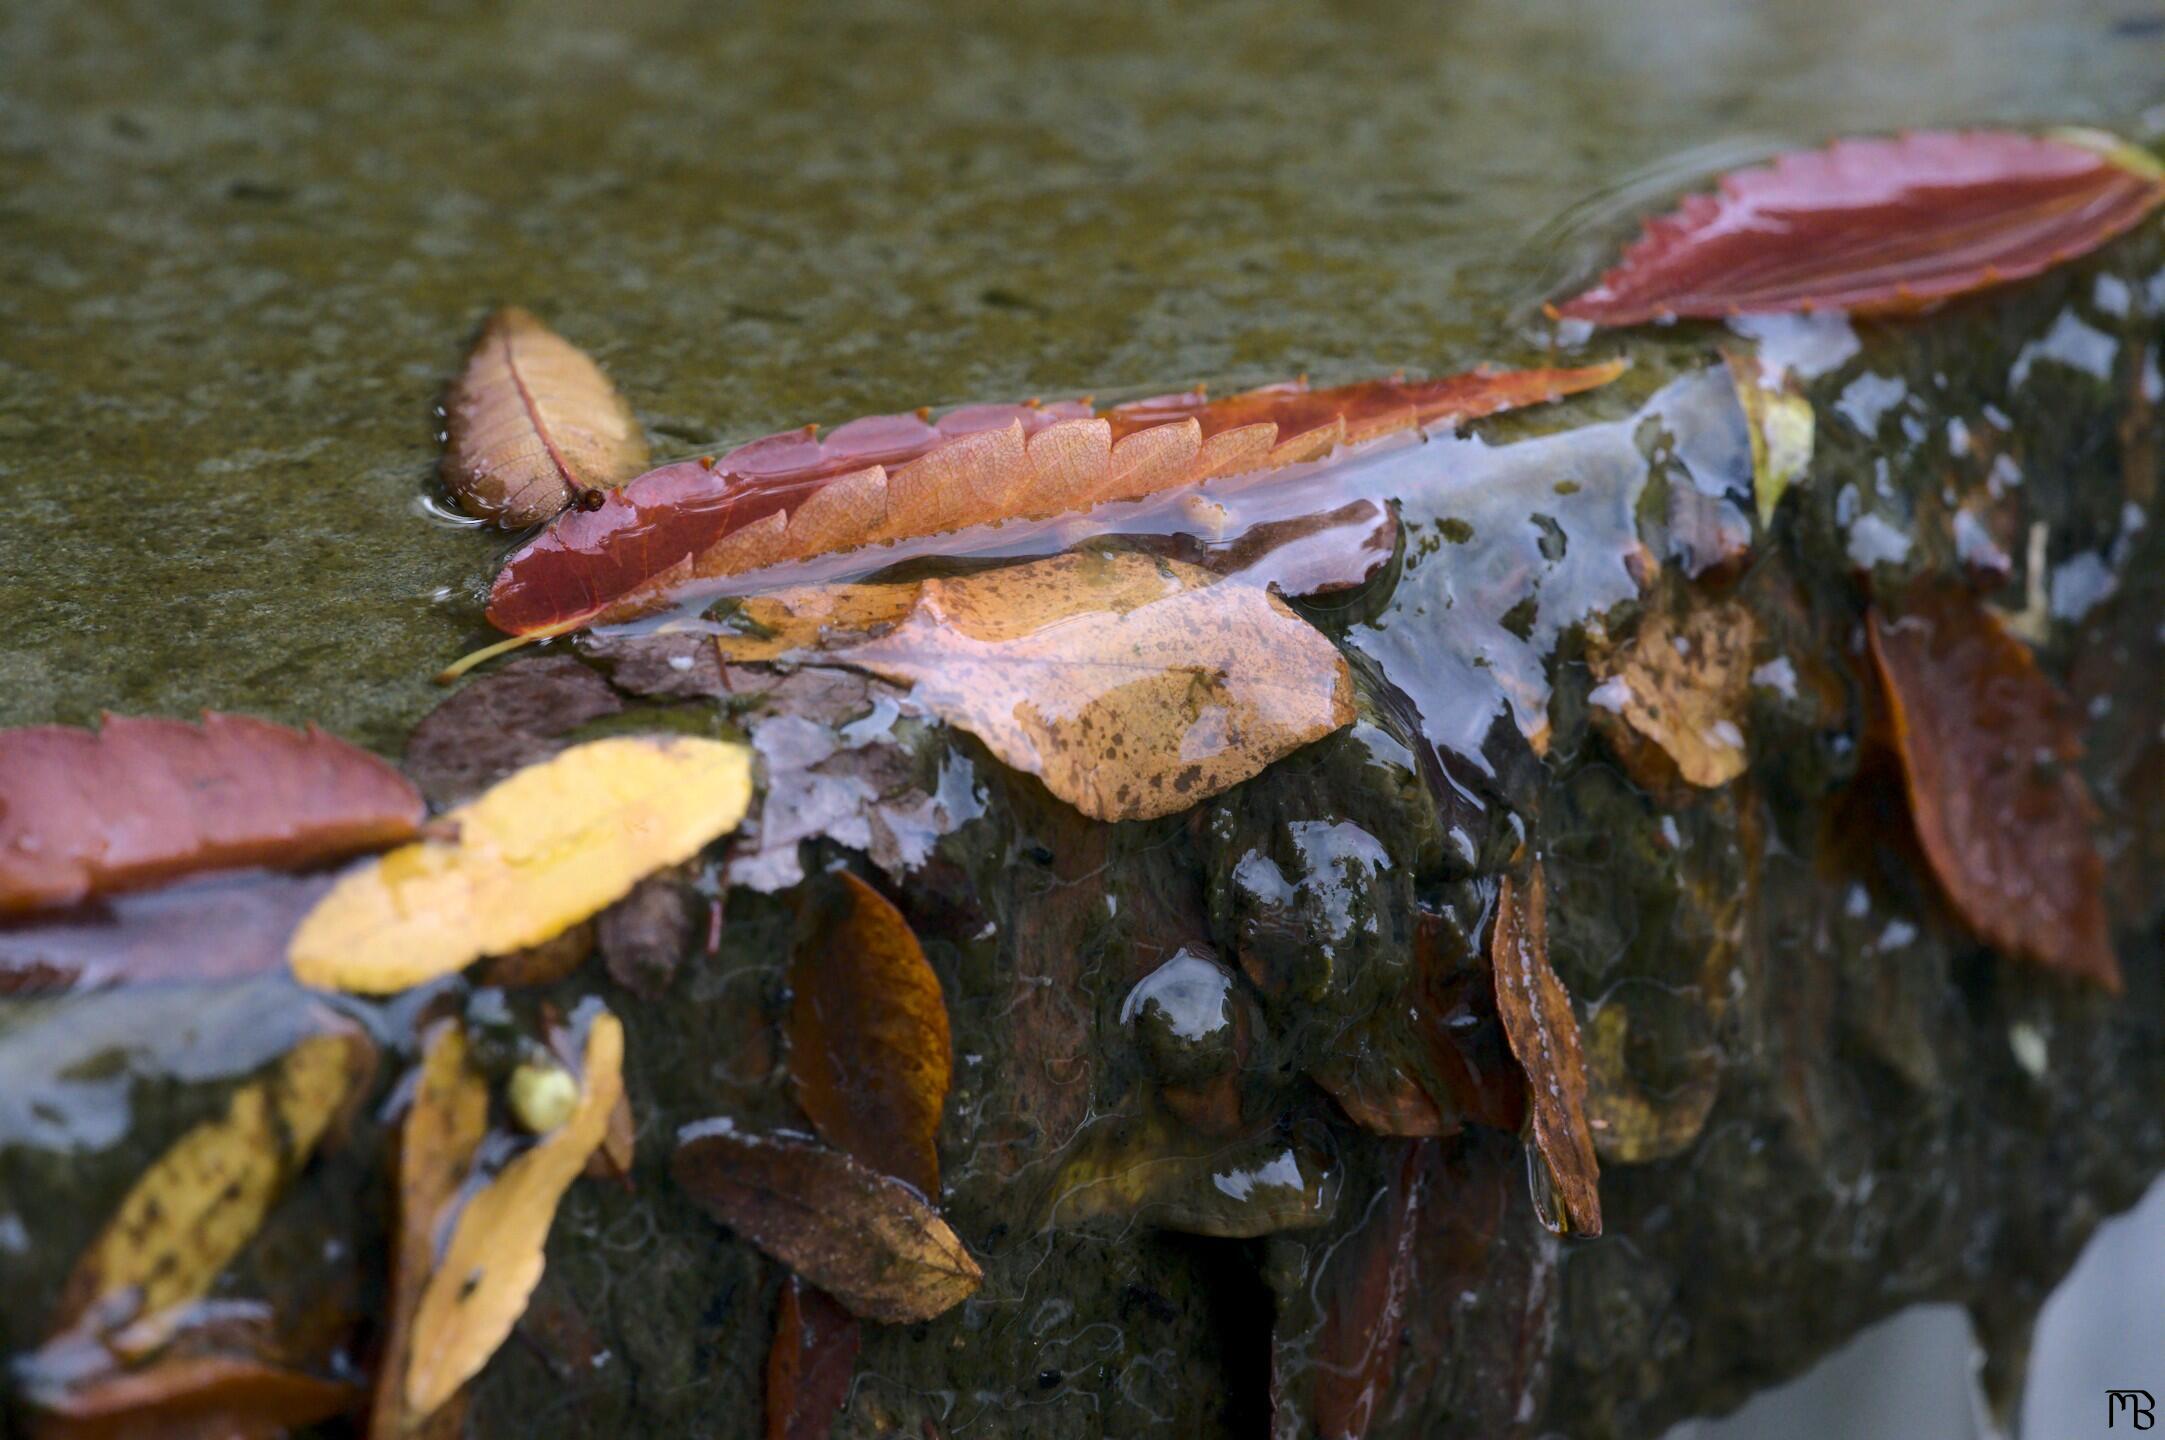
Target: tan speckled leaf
532,422
442,1130
865,1239
190,1213
1133,687
868,1040
535,854
494,1259
1544,1034
1682,684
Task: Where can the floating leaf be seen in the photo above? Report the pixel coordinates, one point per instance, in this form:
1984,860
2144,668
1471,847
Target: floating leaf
1683,684
532,424
865,1239
810,1364
210,927
1544,1034
1988,751
200,1202
494,1258
192,1397
897,477
144,801
504,722
868,1044
1132,687
1879,226
437,1142
534,855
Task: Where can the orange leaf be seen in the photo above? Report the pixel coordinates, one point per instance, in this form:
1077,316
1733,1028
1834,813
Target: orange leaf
1988,751
143,801
194,1397
868,1044
1132,687
810,1364
865,1239
1681,684
1879,226
532,423
1544,1034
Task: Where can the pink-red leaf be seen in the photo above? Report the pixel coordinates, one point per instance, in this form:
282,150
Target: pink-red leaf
1878,226
791,496
143,801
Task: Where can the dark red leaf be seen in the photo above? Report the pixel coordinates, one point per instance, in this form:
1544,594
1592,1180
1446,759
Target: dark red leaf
143,801
903,477
811,1363
1988,749
1364,1287
1878,226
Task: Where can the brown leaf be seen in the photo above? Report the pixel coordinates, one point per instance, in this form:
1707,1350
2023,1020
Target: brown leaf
552,960
1988,750
868,1043
503,722
865,1239
1682,684
1150,1172
192,1397
1132,687
437,1143
210,927
495,1254
1544,1034
810,1364
643,936
532,423
144,801
199,1203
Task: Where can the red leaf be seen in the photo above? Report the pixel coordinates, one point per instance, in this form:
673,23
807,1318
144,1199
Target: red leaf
193,1396
145,800
1365,1286
1878,226
1988,750
811,1363
792,495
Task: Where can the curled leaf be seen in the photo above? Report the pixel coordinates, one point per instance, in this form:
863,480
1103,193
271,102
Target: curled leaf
532,423
899,477
868,1042
535,854
1781,426
810,1363
191,1397
865,1239
1544,1034
1879,226
143,801
199,1203
1681,684
495,1255
436,1147
1988,752
1132,687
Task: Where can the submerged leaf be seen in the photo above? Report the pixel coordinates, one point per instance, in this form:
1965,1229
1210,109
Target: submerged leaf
220,926
503,722
192,1397
1132,687
494,1258
1879,226
1544,1034
534,855
868,1043
810,1364
1147,1171
1681,684
532,423
437,1142
1988,751
865,1239
144,801
1632,1124
900,477
199,1203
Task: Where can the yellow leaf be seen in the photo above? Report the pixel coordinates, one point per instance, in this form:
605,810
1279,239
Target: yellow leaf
1781,426
442,1130
494,1260
538,852
1133,687
205,1198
